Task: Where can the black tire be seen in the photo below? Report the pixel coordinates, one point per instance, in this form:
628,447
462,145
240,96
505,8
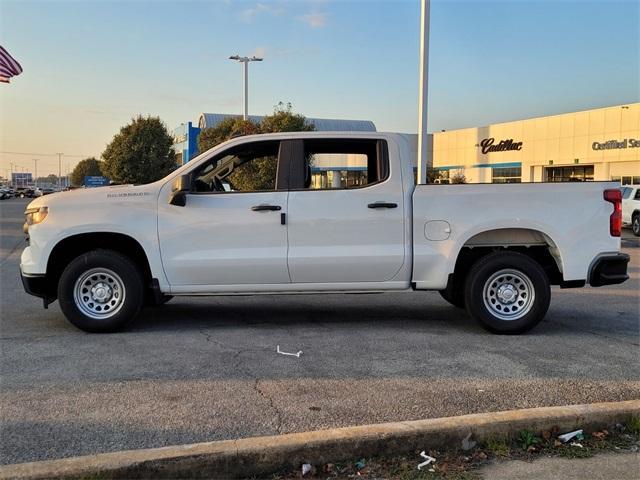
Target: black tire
112,279
635,224
454,296
517,288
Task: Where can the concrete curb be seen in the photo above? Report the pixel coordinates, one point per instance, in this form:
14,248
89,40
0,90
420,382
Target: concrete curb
263,455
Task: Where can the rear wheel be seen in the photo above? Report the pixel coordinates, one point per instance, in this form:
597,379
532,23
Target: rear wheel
101,291
507,292
635,224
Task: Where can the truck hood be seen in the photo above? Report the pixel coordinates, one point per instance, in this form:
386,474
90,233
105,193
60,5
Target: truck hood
111,196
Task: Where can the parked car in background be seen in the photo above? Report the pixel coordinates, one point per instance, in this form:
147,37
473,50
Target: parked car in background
631,207
5,193
47,191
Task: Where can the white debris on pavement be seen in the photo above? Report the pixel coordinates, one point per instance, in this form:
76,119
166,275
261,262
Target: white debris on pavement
467,443
564,438
427,461
291,354
306,468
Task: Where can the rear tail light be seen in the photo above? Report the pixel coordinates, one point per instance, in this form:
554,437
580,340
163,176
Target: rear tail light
614,195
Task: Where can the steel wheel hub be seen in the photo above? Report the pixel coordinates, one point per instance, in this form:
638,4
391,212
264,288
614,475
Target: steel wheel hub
509,294
99,293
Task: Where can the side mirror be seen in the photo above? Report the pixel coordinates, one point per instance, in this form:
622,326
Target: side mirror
179,189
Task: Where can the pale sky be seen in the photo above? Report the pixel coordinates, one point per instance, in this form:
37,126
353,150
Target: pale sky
89,66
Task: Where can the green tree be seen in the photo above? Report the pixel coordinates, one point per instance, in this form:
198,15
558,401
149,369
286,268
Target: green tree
226,129
260,173
284,120
86,167
140,153
458,177
49,179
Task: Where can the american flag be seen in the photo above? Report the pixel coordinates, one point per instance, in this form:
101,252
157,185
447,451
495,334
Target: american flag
8,66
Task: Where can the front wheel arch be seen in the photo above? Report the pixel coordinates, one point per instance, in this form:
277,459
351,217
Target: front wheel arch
75,245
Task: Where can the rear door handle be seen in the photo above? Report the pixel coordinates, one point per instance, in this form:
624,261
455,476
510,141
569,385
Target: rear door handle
382,205
261,208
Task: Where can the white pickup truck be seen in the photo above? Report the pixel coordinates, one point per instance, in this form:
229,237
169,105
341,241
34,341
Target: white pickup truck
259,215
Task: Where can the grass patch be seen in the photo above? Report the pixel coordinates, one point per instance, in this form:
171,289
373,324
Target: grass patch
527,439
497,446
633,425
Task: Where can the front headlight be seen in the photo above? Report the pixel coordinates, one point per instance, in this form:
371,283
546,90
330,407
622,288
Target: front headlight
34,216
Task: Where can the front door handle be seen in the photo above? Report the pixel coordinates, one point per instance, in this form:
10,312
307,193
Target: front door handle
382,205
261,208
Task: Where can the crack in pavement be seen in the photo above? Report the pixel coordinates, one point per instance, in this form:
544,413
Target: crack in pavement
269,400
256,384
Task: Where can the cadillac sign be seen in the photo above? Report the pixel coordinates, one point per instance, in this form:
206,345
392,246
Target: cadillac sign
488,145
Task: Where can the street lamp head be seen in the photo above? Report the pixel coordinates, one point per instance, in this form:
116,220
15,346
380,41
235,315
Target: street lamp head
234,57
255,59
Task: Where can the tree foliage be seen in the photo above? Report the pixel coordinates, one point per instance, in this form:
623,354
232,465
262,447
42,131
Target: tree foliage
458,177
226,129
86,167
281,120
284,120
258,174
140,153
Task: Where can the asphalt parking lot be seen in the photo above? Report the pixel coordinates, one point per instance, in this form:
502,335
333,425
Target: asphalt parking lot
200,369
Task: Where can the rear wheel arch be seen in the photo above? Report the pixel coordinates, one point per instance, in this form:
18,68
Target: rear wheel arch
530,242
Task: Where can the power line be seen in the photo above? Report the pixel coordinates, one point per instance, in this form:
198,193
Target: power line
45,154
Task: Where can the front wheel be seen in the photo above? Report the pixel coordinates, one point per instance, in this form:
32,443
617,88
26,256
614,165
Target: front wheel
101,291
635,225
507,292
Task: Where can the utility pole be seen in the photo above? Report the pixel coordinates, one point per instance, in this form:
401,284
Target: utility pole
422,93
11,175
35,177
59,170
246,61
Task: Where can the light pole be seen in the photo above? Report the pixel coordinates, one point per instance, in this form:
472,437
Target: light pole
35,177
246,61
59,170
422,93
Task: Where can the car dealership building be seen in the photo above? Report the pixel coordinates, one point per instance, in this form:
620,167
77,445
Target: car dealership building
599,144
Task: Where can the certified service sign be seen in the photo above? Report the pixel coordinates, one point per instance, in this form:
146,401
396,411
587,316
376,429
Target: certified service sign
615,144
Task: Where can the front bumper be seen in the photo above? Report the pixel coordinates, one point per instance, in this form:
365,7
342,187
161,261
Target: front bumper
609,270
34,284
37,286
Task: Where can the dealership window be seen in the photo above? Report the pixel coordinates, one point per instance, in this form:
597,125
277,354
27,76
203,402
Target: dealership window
506,174
626,180
339,164
582,173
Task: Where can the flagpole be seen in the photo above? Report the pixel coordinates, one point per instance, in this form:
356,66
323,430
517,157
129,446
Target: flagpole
422,93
